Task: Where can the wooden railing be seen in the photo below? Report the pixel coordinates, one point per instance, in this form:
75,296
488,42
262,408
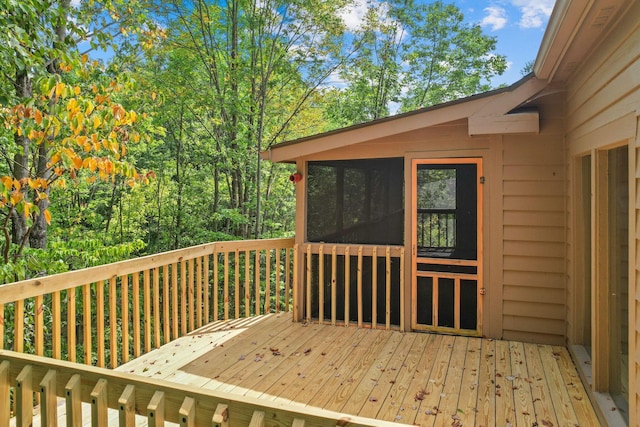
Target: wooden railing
134,397
352,284
105,315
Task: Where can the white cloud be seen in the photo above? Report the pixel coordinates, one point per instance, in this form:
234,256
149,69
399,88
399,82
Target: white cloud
496,18
75,3
535,13
354,14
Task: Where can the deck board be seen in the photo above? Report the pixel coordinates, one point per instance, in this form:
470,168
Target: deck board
410,378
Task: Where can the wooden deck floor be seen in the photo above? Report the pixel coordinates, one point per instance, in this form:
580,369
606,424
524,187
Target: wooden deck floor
411,378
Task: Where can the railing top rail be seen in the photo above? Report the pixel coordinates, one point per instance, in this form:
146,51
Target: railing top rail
39,286
174,393
367,250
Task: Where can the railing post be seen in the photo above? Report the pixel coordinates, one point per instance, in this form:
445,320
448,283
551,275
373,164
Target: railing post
24,398
99,408
4,394
221,416
155,415
187,412
127,406
257,419
49,399
73,401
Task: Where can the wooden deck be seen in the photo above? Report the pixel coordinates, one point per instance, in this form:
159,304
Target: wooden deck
410,378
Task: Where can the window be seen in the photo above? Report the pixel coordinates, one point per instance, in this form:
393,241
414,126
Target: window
356,201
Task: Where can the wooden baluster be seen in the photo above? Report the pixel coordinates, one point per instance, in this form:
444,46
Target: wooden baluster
287,275
24,398
436,284
136,315
256,268
99,408
18,344
334,267
187,412
226,285
100,322
124,309
190,294
247,284
207,284
56,328
257,419
296,289
86,323
388,288
236,276
214,290
359,284
49,412
113,323
267,282
155,410
174,301
71,324
221,416
73,400
156,308
297,423
1,326
277,287
5,393
166,320
127,407
39,324
183,297
308,309
402,311
347,284
456,303
321,285
374,288
146,308
199,292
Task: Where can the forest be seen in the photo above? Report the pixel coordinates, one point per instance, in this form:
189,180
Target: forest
132,127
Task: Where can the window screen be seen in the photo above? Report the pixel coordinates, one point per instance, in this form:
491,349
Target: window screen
356,201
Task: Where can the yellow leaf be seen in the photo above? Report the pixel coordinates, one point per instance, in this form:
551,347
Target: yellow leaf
16,197
47,216
55,158
153,96
85,58
89,108
7,182
76,90
77,162
96,122
60,89
38,117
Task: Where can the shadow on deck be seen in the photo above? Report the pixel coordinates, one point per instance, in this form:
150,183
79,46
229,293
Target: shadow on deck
410,378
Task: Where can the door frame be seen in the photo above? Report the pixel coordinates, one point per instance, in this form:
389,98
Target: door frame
478,263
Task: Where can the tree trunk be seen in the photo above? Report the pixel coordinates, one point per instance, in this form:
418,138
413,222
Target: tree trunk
20,170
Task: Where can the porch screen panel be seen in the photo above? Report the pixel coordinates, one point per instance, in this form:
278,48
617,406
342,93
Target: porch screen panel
356,201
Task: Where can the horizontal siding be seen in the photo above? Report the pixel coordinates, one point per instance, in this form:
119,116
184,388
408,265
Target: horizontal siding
603,98
534,261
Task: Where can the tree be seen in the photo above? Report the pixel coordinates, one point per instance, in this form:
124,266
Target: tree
255,66
413,55
60,117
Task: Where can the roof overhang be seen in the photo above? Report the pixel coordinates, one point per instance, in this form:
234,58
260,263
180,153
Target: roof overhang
574,30
487,113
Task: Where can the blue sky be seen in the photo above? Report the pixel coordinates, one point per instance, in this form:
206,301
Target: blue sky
518,26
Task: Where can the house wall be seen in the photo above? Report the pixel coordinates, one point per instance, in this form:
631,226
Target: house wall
533,212
603,105
524,211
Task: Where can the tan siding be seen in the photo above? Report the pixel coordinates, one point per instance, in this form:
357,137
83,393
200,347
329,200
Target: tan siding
603,99
534,233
